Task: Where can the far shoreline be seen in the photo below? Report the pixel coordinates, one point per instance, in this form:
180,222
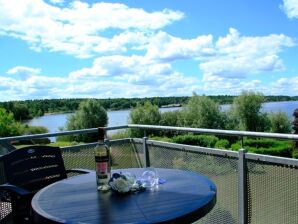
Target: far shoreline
162,107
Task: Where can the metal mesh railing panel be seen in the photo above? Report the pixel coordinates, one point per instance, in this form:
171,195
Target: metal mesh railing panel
79,158
220,169
140,151
272,193
123,155
126,155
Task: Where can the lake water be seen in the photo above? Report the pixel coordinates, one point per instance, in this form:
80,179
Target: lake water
54,122
117,118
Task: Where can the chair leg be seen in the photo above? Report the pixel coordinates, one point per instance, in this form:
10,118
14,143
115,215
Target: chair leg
21,210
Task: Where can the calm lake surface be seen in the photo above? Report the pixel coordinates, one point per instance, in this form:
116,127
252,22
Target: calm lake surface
116,118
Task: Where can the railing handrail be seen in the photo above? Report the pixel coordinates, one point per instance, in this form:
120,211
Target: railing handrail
53,134
157,127
218,132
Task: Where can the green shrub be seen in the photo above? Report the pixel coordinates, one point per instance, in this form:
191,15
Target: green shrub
280,123
257,143
222,144
162,139
33,130
266,146
283,150
36,130
201,112
144,114
247,109
63,138
201,140
236,146
89,115
64,144
8,126
295,154
120,134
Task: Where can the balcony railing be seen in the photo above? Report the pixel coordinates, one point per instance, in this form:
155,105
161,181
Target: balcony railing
252,188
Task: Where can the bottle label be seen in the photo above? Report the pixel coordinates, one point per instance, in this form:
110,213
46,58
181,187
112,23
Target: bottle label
102,168
102,165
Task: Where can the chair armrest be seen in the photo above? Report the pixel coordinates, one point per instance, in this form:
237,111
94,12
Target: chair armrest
81,171
15,190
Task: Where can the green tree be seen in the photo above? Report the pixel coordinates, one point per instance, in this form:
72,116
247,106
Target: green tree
20,111
202,112
89,115
8,125
280,122
247,109
144,114
170,118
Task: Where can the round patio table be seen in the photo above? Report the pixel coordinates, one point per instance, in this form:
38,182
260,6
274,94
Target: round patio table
184,198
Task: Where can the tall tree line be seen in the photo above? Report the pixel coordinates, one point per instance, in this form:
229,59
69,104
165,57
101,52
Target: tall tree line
28,109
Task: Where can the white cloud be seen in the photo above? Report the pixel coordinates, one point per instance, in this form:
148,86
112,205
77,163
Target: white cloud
225,62
290,7
166,47
127,80
24,72
285,85
79,29
237,56
139,71
33,87
115,65
20,70
123,66
235,87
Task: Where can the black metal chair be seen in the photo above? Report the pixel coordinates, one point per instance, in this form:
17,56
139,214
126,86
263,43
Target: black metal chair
26,171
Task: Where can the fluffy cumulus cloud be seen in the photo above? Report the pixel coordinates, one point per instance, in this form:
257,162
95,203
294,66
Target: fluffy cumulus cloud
133,77
169,48
239,57
31,88
140,73
285,85
24,72
227,63
79,28
290,7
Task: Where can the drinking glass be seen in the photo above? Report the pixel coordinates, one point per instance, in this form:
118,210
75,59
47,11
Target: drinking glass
149,177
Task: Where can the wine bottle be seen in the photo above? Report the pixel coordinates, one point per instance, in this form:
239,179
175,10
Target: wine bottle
103,166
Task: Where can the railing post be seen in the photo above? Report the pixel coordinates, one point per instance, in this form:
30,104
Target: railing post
242,188
146,152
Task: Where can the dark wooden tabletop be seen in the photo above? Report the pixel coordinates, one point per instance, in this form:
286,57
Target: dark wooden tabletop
184,198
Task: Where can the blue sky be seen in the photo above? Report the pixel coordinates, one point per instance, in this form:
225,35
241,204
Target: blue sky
140,48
